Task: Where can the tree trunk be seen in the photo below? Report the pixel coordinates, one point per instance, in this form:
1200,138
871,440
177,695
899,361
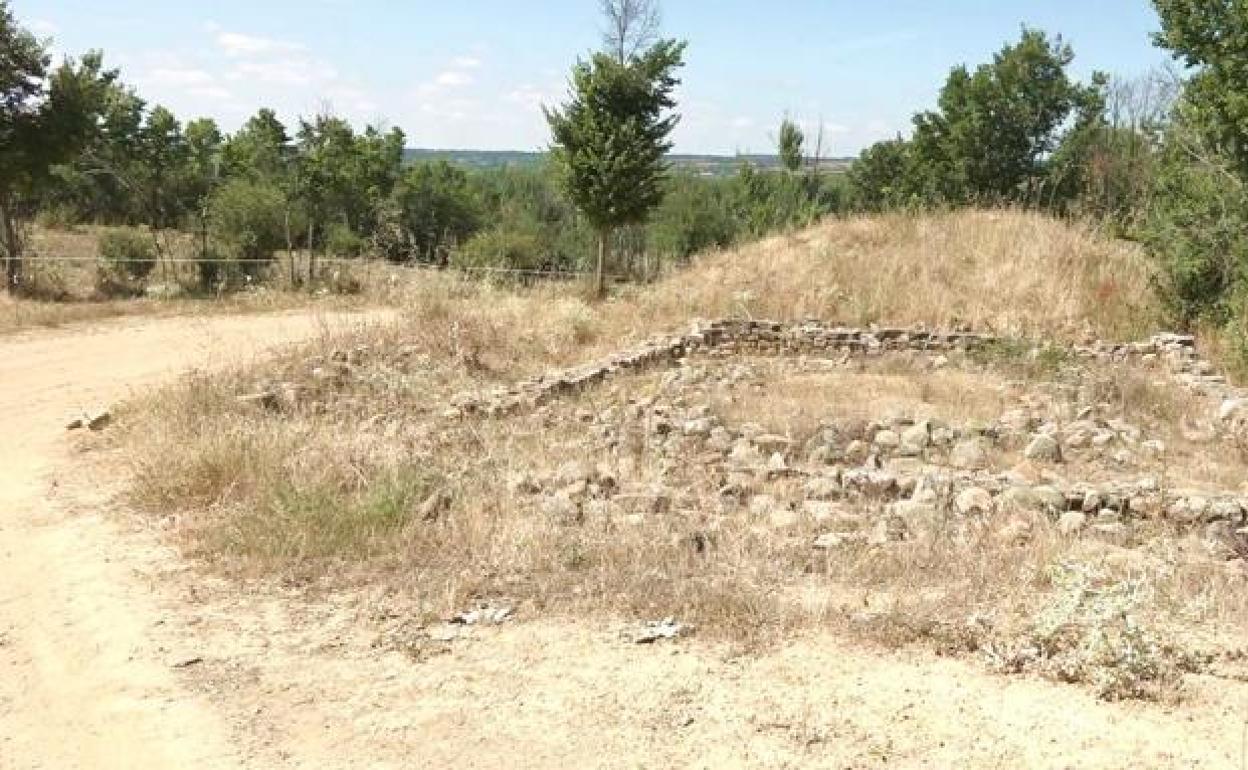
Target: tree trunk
311,256
600,278
290,252
12,247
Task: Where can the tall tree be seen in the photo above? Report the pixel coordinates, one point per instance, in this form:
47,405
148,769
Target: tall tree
611,137
632,26
45,119
790,145
1211,36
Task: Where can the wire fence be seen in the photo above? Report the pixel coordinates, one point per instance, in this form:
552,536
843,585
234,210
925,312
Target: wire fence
370,266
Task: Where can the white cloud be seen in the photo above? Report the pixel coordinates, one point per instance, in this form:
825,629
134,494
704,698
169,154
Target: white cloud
453,79
43,27
742,122
466,63
176,76
296,71
238,44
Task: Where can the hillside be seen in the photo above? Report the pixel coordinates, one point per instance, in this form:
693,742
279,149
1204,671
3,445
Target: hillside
707,165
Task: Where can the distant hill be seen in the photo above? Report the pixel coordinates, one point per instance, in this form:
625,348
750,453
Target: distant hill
709,165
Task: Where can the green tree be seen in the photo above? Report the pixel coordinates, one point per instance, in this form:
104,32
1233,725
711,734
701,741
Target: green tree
994,134
259,150
1211,37
610,138
45,119
790,145
432,207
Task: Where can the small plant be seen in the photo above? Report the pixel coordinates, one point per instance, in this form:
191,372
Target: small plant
1090,633
340,241
127,258
128,251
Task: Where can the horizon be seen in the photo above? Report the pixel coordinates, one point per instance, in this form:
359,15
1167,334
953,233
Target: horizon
452,83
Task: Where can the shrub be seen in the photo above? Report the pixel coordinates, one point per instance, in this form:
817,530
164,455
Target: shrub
128,252
340,241
247,225
504,247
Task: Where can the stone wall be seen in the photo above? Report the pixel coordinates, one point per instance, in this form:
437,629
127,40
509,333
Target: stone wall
728,337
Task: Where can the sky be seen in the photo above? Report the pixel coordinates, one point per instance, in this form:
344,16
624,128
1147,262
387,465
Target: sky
473,74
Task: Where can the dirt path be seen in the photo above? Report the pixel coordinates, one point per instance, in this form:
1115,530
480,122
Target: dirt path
84,681
94,620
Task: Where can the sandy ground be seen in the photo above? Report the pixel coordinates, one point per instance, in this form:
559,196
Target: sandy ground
115,654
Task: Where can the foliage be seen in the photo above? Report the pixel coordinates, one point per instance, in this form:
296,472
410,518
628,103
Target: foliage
128,252
1090,632
611,137
993,136
1211,37
246,223
431,208
45,118
790,145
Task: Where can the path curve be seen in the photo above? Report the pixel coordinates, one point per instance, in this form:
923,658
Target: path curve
84,680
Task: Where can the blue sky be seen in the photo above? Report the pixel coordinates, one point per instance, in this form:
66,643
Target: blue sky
473,73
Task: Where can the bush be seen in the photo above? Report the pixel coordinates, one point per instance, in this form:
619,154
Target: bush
1198,232
340,241
129,252
127,258
247,225
503,247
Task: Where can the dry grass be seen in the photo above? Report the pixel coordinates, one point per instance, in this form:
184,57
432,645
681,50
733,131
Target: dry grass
363,481
1013,273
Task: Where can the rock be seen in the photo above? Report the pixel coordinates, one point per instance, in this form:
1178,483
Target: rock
887,439
973,500
700,427
917,438
1037,499
1017,531
571,472
762,506
822,512
1232,408
97,420
889,529
745,455
1072,523
833,540
1044,448
777,465
1188,510
659,630
969,455
870,483
720,439
783,518
1117,533
771,444
1155,449
562,509
857,451
823,488
435,505
912,510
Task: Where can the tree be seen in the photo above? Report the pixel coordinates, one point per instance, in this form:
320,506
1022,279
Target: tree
632,26
45,119
996,129
610,138
790,145
1211,37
